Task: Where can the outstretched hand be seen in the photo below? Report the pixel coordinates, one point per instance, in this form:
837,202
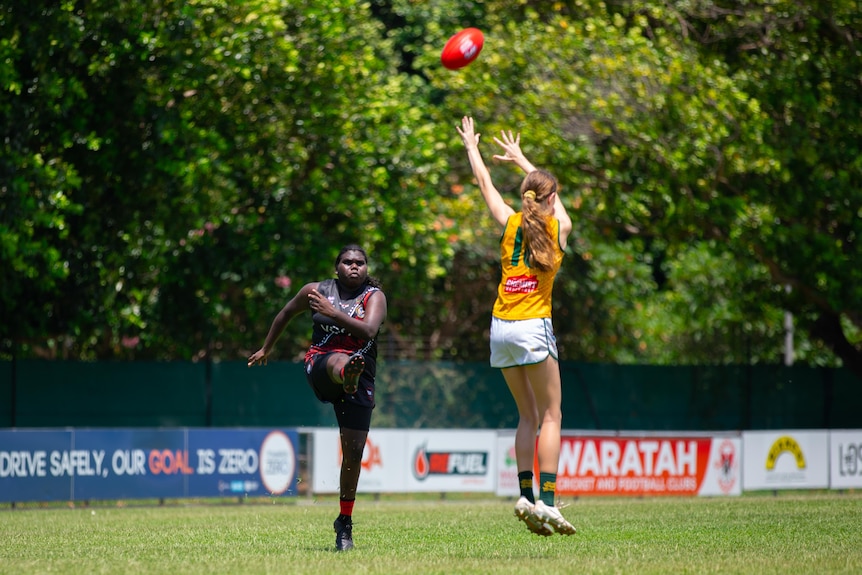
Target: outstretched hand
468,136
500,210
258,357
511,146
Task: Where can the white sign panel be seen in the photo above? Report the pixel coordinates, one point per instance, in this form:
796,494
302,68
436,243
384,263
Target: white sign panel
785,459
452,460
384,462
507,466
845,449
724,468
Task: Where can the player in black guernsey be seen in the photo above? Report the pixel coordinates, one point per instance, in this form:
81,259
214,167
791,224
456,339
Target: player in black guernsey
341,362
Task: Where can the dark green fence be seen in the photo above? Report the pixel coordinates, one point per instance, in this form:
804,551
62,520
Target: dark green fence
35,393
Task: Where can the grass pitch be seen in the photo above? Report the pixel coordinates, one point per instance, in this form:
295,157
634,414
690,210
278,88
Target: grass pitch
785,533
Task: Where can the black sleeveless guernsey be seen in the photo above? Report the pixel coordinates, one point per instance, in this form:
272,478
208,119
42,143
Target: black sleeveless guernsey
327,337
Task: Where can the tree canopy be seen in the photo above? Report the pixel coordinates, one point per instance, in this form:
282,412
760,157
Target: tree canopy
174,170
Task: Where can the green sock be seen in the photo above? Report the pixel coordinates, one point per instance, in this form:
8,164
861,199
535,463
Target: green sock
525,481
547,487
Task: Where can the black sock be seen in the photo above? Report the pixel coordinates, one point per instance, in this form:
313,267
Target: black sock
345,519
547,487
525,482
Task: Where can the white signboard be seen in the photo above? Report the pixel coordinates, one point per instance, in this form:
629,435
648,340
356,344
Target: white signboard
845,448
452,460
724,467
384,462
785,459
507,466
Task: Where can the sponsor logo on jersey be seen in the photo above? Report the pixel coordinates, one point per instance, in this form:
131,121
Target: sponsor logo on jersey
521,284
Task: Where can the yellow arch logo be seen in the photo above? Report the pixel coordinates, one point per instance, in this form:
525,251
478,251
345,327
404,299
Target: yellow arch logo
785,443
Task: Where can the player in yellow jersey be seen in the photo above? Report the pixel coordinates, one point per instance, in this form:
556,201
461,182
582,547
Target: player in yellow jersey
523,345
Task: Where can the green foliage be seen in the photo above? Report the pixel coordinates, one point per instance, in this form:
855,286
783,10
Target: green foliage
802,221
214,149
35,184
175,170
664,145
640,131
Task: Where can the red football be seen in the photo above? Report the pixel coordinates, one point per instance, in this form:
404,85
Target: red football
462,48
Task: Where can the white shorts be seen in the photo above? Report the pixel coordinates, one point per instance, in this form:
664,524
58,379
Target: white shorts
521,342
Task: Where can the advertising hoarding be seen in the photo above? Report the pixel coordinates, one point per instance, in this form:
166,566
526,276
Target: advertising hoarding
61,465
384,461
845,459
649,465
785,459
412,460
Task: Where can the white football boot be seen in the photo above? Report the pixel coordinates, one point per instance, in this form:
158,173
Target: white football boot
553,519
525,511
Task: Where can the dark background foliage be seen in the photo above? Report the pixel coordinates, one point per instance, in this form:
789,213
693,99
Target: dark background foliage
172,171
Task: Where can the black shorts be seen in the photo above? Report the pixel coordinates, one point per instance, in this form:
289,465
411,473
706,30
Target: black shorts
352,411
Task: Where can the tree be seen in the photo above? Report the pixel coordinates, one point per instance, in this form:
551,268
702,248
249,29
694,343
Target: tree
193,159
35,181
623,121
801,60
174,170
672,152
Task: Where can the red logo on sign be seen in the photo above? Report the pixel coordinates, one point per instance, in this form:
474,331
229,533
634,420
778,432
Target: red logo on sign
726,465
451,463
421,466
372,456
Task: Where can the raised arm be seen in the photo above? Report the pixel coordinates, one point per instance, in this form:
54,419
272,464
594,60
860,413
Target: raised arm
512,147
294,307
500,210
565,221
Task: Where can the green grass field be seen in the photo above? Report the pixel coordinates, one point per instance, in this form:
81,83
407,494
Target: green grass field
796,533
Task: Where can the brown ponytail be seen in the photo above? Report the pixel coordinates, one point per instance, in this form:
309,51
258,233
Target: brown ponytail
536,221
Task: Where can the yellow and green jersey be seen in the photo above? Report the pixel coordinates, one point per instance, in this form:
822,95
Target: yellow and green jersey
524,292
